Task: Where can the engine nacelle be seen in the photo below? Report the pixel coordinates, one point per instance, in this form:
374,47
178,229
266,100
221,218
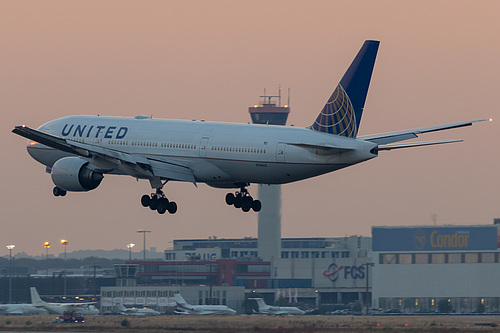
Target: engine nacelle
73,174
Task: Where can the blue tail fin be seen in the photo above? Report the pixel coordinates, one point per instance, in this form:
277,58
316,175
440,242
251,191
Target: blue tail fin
341,115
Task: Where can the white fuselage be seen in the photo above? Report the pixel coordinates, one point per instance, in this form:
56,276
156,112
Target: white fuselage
205,310
219,154
21,309
59,308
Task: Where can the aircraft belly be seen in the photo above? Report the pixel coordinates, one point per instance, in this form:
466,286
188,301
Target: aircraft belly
228,172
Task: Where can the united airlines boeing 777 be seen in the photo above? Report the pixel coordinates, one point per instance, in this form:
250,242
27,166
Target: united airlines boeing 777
79,150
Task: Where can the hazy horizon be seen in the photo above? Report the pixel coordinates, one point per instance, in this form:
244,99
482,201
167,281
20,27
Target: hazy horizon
437,64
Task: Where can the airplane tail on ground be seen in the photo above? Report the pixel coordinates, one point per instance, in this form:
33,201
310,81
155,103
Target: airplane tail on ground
260,302
35,297
341,115
180,300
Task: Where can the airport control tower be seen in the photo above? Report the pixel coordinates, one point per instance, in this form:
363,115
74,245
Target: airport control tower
269,226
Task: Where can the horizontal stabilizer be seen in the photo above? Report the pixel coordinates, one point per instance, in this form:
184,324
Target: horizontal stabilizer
415,144
386,138
326,149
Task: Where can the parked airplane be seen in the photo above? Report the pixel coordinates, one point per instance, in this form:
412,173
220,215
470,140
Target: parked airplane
79,150
277,310
185,308
59,308
137,311
21,309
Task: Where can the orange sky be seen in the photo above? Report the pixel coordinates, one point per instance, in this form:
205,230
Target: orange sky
437,63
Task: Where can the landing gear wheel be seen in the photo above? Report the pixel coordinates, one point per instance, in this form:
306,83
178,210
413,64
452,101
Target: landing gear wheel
172,207
237,201
153,204
230,198
246,203
58,192
162,205
145,200
256,205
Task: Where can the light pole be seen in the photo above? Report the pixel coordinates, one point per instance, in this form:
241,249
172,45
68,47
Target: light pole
367,298
130,246
64,243
95,280
144,236
10,247
47,247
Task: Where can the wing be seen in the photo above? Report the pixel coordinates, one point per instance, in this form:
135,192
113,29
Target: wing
386,138
107,159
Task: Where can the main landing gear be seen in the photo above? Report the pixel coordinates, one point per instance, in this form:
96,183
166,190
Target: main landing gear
243,200
157,201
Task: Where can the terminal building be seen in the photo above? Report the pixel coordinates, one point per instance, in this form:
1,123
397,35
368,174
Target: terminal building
309,272
402,269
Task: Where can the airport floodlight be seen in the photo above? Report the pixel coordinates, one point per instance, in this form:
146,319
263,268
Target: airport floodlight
130,246
46,245
64,242
10,247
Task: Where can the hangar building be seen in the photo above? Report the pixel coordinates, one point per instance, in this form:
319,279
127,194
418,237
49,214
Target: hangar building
417,267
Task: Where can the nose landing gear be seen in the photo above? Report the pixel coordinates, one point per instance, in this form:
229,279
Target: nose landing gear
157,201
243,200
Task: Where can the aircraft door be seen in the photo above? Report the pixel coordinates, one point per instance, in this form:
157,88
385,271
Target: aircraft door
280,152
204,147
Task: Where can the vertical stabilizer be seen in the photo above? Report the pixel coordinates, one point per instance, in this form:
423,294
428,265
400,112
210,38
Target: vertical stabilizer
341,115
180,300
260,303
35,298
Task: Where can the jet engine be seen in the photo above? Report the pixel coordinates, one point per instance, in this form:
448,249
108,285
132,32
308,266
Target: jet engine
73,174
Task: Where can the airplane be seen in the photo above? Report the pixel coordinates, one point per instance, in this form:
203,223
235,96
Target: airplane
277,310
79,150
21,309
201,309
59,308
136,311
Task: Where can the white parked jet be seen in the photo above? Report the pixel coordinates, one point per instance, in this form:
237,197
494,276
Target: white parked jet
59,308
21,309
277,310
79,150
185,308
137,311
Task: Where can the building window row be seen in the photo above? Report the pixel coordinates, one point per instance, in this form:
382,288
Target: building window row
314,254
439,258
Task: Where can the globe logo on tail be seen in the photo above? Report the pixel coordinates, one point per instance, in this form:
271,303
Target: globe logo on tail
337,116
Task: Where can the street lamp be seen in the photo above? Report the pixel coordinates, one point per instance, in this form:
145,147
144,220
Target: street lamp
10,247
64,243
46,245
130,246
144,236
